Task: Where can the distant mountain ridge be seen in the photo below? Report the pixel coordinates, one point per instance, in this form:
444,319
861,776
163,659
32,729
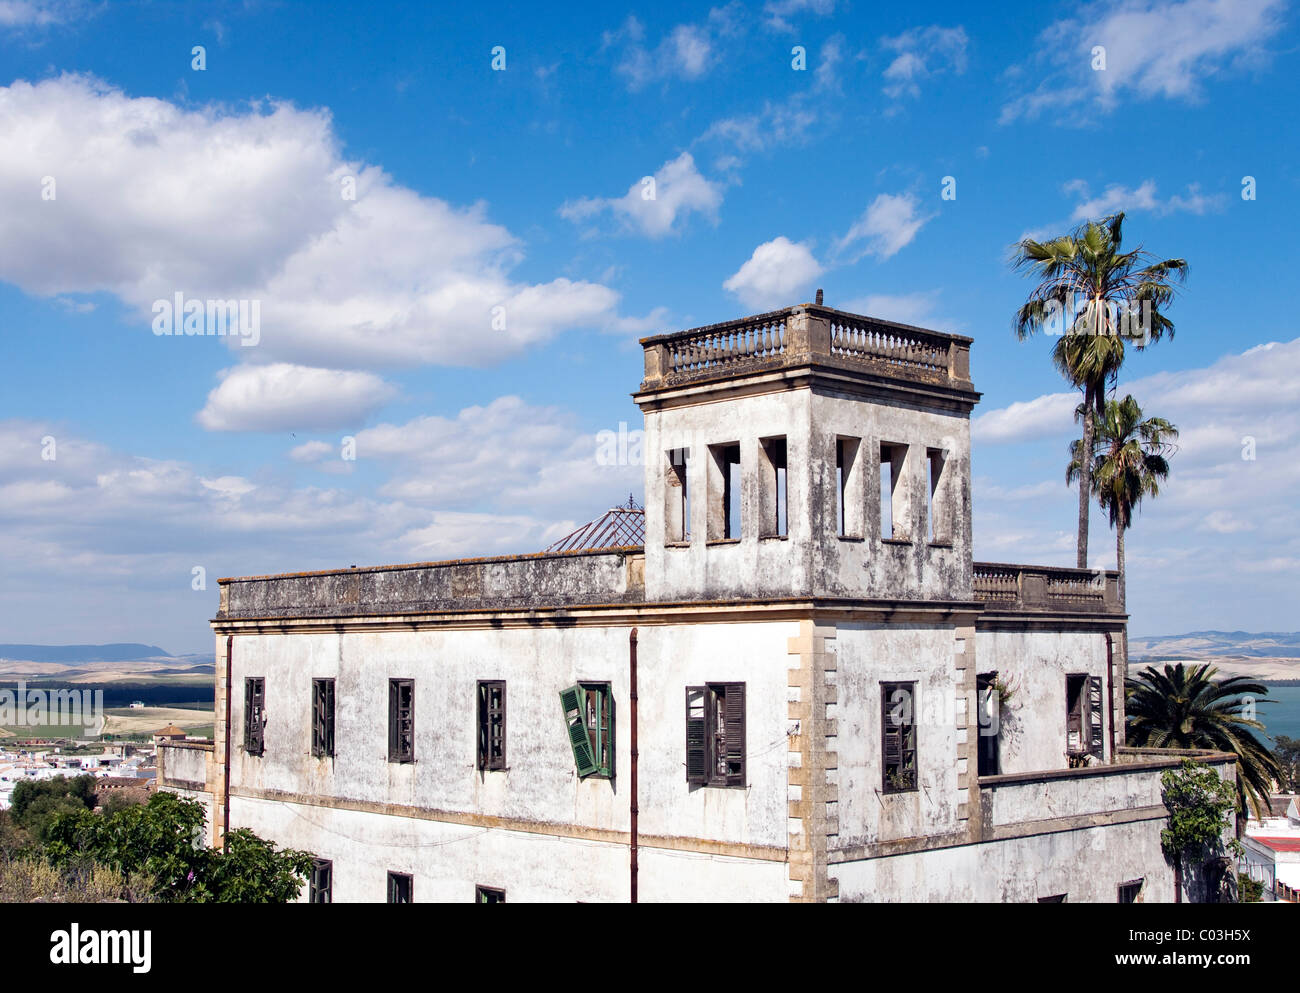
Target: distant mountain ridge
1239,644
73,654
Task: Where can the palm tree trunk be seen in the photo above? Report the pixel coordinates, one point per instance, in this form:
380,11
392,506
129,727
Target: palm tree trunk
1085,478
1119,559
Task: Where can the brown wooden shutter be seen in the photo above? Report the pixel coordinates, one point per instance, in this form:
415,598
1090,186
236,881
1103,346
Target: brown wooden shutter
1096,707
483,729
696,734
734,728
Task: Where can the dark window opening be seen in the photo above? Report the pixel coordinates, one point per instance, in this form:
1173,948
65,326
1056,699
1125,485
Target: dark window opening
492,724
589,719
321,889
1084,706
254,715
989,723
489,894
401,720
715,734
1129,892
322,718
1058,898
898,736
401,888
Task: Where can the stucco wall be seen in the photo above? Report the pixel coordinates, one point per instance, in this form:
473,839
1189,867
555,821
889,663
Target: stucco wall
1032,728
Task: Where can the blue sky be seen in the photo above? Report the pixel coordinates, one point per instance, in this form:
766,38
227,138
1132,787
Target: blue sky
521,189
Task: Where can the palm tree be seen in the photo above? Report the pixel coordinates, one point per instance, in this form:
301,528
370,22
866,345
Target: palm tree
1181,709
1095,292
1128,463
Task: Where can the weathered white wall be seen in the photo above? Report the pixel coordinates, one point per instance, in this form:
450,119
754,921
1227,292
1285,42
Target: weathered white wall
1032,728
866,656
1088,864
540,784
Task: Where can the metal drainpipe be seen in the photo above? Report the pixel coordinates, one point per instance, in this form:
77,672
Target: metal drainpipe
225,826
1110,690
631,647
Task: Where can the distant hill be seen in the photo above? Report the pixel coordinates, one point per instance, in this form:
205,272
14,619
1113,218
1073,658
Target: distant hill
1267,655
75,654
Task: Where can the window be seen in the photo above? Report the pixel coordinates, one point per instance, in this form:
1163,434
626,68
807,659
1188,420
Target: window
715,734
1057,898
489,894
1130,891
401,887
677,496
898,736
724,492
1084,705
401,720
321,889
988,701
772,488
254,715
893,497
848,487
937,508
492,724
322,718
589,717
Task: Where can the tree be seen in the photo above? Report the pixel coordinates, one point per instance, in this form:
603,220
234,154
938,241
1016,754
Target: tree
35,803
1287,753
1198,802
1178,708
163,839
1094,290
1128,463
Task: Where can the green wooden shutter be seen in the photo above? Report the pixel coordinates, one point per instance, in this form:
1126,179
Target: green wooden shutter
482,726
734,730
696,734
394,751
576,727
607,708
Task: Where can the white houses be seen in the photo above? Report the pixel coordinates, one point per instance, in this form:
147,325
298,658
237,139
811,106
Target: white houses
796,686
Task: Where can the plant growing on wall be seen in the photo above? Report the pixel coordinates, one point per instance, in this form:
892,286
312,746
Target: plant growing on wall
1199,803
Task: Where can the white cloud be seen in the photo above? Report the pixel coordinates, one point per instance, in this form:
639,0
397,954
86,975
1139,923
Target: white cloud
887,226
1118,197
654,208
217,203
782,123
778,12
1153,48
280,397
1043,417
38,13
687,52
772,276
921,53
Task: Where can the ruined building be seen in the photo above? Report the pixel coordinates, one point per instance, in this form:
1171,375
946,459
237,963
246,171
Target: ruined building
788,680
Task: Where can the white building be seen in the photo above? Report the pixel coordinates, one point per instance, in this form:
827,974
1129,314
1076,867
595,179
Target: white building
796,686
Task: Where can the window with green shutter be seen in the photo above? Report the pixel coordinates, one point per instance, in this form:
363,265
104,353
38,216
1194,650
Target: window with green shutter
589,722
322,718
492,724
898,736
401,720
715,734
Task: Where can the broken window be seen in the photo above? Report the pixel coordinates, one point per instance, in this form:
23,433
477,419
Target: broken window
893,509
1057,898
322,718
898,736
589,719
848,488
401,887
401,720
1084,705
489,894
724,492
492,724
772,488
715,734
989,702
1129,892
321,889
937,507
677,496
254,715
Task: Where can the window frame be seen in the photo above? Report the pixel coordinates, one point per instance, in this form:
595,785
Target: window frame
1133,885
592,753
487,762
399,751
315,890
322,717
703,738
907,740
489,894
1090,718
255,715
395,880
